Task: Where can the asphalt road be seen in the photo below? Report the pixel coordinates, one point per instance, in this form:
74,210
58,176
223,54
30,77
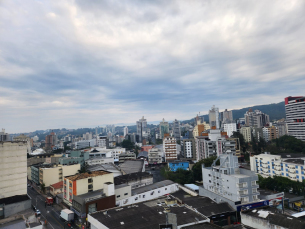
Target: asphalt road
48,212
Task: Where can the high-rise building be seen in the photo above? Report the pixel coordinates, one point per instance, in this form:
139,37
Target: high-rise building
214,117
256,118
229,127
199,128
13,169
164,128
4,136
102,141
227,116
269,133
87,136
281,128
125,131
142,129
51,140
170,148
176,130
295,116
189,148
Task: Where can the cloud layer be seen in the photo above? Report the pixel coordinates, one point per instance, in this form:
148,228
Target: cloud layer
86,63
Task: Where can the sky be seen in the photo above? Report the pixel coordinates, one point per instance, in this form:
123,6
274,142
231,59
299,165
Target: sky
76,63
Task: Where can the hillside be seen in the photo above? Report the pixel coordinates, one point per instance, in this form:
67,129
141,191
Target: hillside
275,111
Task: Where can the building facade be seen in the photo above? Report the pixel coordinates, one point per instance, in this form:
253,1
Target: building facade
102,141
13,169
229,182
176,130
269,165
246,132
295,116
142,129
164,128
230,127
170,148
214,117
256,118
154,156
189,149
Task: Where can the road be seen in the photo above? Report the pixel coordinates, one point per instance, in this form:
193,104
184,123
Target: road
48,212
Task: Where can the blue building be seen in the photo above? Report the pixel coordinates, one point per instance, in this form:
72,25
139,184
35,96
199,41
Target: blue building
174,165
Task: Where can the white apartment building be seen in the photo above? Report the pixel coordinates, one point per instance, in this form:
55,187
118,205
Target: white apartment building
125,131
13,169
102,152
230,128
102,141
189,148
295,116
87,136
170,148
227,182
85,144
269,165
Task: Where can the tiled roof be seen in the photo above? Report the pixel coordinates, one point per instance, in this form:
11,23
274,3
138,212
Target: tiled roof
86,175
58,185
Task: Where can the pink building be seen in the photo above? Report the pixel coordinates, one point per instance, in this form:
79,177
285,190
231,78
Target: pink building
147,147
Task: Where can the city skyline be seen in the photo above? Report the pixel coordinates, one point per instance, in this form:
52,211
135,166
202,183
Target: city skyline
78,64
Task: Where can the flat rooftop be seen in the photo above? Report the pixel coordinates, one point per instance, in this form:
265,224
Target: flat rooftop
272,217
145,215
14,199
150,187
132,166
130,177
295,161
87,175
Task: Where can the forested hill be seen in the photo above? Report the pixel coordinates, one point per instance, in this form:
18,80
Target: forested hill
275,111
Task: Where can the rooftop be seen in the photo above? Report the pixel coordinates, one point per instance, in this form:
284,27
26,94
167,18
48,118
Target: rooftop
204,205
150,187
86,175
275,218
143,154
14,199
90,195
131,176
292,155
148,215
132,166
58,185
295,161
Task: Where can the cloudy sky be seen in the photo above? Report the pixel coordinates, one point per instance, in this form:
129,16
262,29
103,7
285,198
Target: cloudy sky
77,63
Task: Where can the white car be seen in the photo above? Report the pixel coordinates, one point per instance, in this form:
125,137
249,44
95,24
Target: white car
37,212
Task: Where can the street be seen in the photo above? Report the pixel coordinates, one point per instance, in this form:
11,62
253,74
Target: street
49,213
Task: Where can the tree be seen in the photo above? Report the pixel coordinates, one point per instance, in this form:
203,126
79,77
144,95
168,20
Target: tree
84,168
43,187
197,168
127,144
243,144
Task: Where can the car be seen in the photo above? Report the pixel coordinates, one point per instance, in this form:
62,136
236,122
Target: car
37,212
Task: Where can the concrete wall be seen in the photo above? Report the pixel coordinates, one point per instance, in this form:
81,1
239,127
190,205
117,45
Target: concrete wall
13,169
12,209
120,193
50,175
95,224
149,195
98,183
70,170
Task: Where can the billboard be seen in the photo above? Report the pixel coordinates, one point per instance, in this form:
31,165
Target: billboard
245,207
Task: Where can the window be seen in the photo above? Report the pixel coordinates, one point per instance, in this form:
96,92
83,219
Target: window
165,188
143,196
90,180
118,196
125,194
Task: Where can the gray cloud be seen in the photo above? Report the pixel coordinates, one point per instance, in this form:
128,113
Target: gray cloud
84,63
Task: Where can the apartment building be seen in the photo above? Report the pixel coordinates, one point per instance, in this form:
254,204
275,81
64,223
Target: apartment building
176,130
102,152
200,127
214,117
127,156
154,156
246,132
295,116
164,128
142,129
189,149
230,127
4,136
256,118
269,133
227,182
102,141
269,165
13,169
53,173
170,148
85,182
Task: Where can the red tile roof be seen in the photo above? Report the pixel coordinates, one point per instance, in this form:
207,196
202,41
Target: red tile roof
58,185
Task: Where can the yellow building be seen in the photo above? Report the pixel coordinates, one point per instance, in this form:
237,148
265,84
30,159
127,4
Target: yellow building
55,173
85,182
199,128
246,132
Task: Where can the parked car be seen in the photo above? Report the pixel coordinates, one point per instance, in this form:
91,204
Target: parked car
37,212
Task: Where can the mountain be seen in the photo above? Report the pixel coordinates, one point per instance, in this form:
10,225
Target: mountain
275,111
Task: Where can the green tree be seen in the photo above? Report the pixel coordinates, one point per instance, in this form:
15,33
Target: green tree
197,167
128,144
43,187
84,168
243,144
